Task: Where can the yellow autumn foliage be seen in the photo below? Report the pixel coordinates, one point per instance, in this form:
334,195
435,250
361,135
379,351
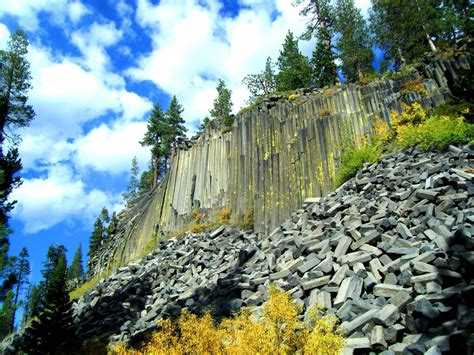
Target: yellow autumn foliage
279,331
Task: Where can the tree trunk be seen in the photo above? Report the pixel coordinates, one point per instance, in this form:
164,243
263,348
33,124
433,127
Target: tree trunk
431,43
15,302
401,57
173,151
155,173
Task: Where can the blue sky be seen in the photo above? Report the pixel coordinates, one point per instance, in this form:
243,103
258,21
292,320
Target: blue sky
98,67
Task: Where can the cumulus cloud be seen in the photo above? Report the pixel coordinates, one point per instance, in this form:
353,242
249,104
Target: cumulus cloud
93,42
194,45
62,196
111,149
87,120
76,10
4,36
27,11
65,97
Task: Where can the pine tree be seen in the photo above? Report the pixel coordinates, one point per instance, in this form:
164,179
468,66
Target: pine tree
104,215
10,165
323,67
176,129
33,302
112,227
76,270
405,29
222,108
22,271
294,70
52,332
153,138
96,238
7,315
131,195
320,17
14,85
146,183
353,41
261,84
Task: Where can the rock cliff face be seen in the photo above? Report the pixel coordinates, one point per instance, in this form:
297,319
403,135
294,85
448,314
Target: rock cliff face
391,252
276,155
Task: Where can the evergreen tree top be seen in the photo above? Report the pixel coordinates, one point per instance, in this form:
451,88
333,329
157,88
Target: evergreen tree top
15,82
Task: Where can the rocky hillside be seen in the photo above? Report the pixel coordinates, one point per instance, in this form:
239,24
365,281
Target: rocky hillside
391,253
277,154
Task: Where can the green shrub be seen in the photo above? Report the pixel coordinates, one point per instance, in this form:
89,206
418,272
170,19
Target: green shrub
436,133
81,290
414,127
353,159
247,220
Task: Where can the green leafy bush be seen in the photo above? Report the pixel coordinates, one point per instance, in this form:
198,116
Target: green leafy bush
414,127
353,159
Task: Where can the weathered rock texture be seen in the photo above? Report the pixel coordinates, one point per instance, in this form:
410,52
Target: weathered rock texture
275,156
391,252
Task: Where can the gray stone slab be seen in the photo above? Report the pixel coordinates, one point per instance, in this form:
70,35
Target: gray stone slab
308,285
359,321
385,290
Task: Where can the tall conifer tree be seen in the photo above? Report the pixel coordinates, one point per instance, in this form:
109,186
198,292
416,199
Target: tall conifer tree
15,82
154,138
261,84
52,332
294,70
131,195
353,41
406,29
175,129
22,271
320,17
222,108
76,270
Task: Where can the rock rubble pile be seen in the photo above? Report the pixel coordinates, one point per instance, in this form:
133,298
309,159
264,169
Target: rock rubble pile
390,252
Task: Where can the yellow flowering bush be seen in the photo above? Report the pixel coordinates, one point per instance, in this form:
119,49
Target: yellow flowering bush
414,86
279,331
413,127
224,215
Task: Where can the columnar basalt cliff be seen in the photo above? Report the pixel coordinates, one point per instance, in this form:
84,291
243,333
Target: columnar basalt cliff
276,155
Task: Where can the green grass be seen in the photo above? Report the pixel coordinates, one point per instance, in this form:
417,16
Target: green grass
81,290
353,159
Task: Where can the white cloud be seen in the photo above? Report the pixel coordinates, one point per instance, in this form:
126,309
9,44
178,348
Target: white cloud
111,149
41,150
92,42
76,10
193,46
65,96
58,197
4,36
364,5
26,11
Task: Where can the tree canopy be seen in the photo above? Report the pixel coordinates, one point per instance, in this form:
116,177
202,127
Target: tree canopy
294,70
15,82
222,108
261,84
353,42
